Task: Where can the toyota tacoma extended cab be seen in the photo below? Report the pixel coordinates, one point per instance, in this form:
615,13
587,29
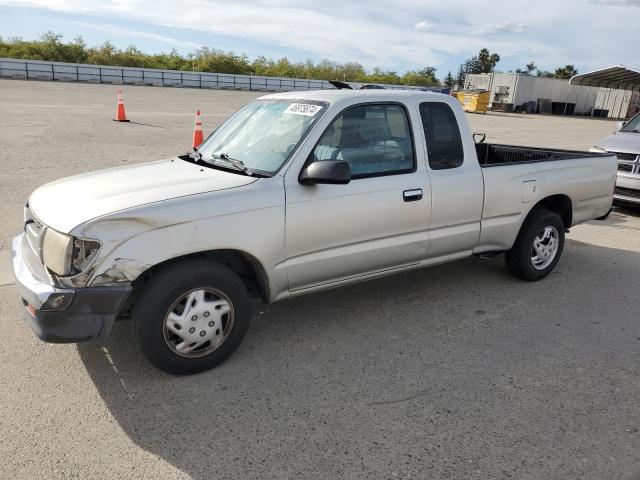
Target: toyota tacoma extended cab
294,193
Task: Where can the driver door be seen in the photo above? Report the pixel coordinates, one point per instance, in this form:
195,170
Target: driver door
379,220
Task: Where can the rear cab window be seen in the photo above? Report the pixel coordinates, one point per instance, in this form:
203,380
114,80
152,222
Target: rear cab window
442,134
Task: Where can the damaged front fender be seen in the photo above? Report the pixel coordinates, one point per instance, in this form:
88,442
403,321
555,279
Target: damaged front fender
123,270
109,268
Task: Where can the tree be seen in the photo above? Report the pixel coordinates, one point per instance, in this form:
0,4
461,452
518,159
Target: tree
487,61
380,76
425,77
105,54
566,72
484,62
461,76
472,65
77,50
449,81
51,46
530,67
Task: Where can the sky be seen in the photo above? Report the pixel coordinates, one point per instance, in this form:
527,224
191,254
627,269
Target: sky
395,35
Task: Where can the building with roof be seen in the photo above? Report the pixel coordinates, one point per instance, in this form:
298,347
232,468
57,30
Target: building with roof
611,92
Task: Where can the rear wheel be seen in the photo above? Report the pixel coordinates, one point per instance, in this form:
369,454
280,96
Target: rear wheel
191,316
538,247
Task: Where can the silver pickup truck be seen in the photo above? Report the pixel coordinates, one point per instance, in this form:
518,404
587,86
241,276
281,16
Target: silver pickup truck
294,193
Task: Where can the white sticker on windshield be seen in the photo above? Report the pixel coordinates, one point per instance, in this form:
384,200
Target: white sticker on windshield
305,109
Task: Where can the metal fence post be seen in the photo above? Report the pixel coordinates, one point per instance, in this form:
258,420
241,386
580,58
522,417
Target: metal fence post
26,69
162,77
53,73
122,75
181,80
77,73
100,74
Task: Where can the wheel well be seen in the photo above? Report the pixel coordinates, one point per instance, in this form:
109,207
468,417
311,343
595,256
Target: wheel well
246,266
560,204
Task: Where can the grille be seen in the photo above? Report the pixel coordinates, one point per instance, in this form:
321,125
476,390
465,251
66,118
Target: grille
33,228
626,156
625,167
627,192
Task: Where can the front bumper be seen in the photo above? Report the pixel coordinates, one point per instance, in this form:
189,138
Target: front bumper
627,188
64,315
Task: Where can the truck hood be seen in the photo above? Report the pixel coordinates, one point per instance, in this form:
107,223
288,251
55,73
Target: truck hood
69,202
623,142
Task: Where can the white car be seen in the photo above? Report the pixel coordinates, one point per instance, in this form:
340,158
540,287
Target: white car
625,144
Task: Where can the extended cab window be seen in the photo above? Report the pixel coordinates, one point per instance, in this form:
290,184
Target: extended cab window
444,143
373,139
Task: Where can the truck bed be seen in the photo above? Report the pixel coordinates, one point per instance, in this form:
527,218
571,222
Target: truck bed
491,155
526,175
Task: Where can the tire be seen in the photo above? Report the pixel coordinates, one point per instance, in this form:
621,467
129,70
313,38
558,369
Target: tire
186,304
523,260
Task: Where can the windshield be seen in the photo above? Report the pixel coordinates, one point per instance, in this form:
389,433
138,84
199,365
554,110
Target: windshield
263,133
632,125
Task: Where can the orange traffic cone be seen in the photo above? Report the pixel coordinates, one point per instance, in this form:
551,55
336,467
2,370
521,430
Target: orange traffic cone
120,115
197,131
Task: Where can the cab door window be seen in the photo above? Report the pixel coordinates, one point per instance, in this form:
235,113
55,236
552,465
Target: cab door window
374,140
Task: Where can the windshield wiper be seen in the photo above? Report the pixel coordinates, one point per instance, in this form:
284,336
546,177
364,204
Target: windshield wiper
238,164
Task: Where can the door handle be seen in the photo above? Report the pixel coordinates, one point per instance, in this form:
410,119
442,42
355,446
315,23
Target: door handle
412,195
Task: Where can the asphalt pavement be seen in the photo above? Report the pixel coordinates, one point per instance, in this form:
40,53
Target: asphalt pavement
458,371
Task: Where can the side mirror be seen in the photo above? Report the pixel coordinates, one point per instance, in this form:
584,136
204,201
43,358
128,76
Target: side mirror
619,126
325,171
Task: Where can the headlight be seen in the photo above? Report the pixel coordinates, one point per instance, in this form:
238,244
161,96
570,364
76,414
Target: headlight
595,149
56,251
65,255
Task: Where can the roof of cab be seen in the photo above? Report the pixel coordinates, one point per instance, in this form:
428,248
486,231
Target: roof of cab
336,95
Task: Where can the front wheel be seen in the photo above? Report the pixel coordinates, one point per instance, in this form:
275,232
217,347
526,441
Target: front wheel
191,316
538,247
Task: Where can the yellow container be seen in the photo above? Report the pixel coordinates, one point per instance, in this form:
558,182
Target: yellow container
474,101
